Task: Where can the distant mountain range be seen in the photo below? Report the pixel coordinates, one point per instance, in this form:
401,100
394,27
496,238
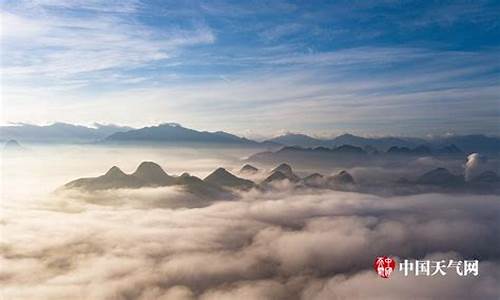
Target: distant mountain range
58,133
345,153
382,143
467,143
174,133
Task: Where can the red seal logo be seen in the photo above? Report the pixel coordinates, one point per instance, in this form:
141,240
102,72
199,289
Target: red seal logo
384,266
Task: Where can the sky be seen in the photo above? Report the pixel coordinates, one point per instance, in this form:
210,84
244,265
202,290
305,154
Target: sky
255,68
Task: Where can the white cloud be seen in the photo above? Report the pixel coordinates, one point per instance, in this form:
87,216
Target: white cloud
59,45
266,246
83,62
17,27
475,165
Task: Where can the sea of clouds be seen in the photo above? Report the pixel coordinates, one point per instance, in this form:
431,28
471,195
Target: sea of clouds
283,244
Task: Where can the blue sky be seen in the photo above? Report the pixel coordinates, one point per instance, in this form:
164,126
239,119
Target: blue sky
255,68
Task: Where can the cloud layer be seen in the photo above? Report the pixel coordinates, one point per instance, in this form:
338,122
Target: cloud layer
279,245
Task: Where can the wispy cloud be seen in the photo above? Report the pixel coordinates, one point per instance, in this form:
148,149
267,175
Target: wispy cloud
315,68
311,98
90,37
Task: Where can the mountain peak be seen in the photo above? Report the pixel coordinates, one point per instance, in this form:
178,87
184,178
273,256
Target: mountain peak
486,177
347,135
440,176
221,172
275,176
248,169
450,149
170,124
175,133
349,149
12,145
343,177
291,134
314,180
148,167
283,168
114,171
224,178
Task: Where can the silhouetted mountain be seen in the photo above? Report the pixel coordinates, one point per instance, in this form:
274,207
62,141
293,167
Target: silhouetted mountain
471,143
467,143
370,150
342,178
148,174
58,132
218,185
344,149
200,188
153,174
286,169
422,150
349,149
293,139
399,150
113,179
248,169
223,178
314,180
487,177
441,177
449,149
419,150
12,145
175,133
274,177
291,149
382,143
317,156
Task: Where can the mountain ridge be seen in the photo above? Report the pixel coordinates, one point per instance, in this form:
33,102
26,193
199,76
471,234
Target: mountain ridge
168,133
176,133
58,132
223,185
